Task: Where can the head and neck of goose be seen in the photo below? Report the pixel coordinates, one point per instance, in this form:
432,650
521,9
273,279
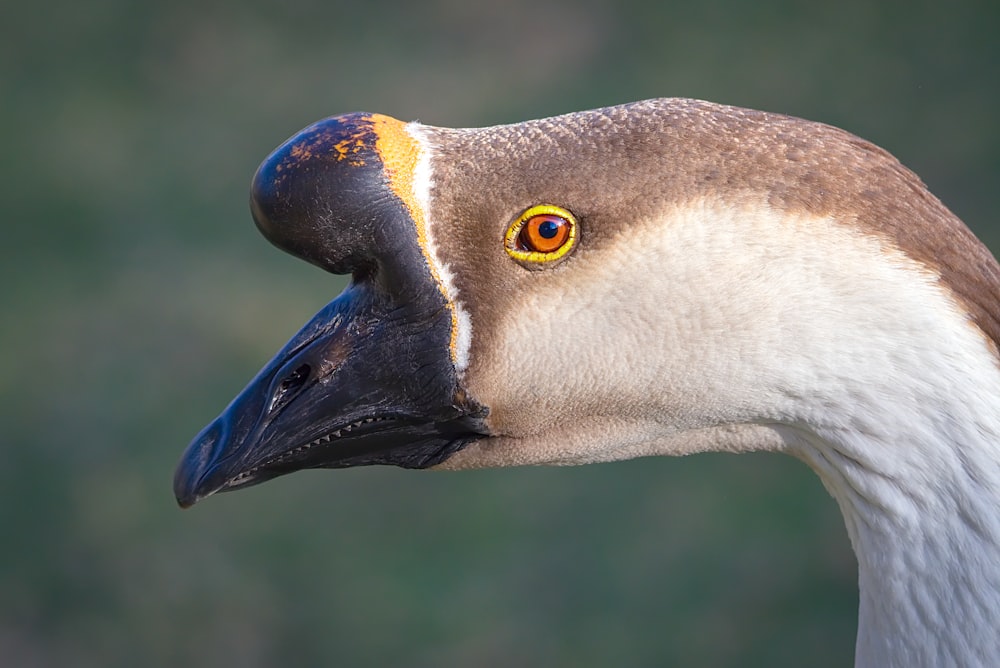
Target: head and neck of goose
661,278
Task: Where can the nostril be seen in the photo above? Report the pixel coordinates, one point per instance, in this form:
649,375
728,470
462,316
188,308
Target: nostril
290,385
296,378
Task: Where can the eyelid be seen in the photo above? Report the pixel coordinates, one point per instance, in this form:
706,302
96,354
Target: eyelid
536,259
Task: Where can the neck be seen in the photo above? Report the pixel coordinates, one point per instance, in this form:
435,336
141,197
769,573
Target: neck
920,494
893,397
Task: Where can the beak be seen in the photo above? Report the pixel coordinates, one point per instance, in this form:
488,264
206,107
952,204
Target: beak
370,379
366,381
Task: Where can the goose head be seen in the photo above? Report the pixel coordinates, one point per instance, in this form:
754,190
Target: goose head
712,273
665,277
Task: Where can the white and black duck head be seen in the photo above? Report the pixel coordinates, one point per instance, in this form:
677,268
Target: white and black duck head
665,277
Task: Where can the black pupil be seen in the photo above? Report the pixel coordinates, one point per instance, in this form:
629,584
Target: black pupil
548,228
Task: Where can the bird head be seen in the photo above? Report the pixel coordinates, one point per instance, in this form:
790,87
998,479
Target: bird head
660,277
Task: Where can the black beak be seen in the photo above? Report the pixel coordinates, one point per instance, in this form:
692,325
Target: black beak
370,379
356,386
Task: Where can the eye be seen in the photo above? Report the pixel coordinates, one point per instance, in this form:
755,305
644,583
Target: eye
540,235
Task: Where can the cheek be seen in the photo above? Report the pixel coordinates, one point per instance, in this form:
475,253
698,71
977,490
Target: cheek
596,355
543,372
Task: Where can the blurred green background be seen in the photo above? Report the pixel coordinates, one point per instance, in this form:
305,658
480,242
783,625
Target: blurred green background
138,299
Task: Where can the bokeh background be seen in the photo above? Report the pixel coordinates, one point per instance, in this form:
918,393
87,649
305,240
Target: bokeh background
137,299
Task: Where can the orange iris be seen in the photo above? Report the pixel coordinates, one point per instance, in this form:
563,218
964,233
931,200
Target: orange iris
544,233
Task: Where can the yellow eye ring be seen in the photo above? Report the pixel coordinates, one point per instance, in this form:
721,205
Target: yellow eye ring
540,235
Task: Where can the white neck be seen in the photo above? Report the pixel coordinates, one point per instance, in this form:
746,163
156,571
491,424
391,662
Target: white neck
921,499
896,405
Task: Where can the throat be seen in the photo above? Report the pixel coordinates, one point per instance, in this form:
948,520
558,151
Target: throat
921,500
